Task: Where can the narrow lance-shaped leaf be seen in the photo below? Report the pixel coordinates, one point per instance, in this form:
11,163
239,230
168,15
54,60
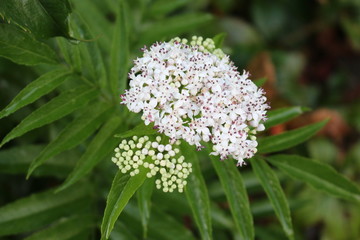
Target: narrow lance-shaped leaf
288,139
144,202
66,229
120,51
272,187
139,130
57,108
319,175
282,115
236,195
41,18
45,207
102,144
74,133
21,48
122,189
196,193
36,89
16,160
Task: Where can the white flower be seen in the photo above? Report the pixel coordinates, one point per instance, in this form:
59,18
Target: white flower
194,92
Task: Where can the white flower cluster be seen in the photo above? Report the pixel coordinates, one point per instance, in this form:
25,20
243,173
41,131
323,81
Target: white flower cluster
190,93
132,155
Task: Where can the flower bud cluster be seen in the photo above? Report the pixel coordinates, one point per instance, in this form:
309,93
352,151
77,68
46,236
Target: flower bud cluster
163,161
205,46
189,92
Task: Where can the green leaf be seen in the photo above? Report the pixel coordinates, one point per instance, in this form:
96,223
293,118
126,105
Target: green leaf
272,187
319,175
71,53
93,64
36,89
162,225
74,133
66,229
139,130
102,144
289,139
173,26
41,18
144,202
21,48
260,82
122,189
120,52
40,209
16,160
236,195
99,26
219,40
196,193
164,7
58,107
283,115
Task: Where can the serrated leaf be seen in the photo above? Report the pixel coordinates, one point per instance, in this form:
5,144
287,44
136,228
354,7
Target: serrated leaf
289,139
283,115
174,26
21,48
41,18
219,40
236,195
74,133
66,229
45,207
272,187
36,89
16,160
319,175
144,202
102,144
122,189
196,193
58,107
139,130
120,51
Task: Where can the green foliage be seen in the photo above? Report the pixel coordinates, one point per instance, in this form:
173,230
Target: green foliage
45,207
77,55
22,48
197,195
122,189
41,18
236,194
318,175
272,187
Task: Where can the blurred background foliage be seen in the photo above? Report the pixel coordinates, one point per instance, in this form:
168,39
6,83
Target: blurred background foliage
309,52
